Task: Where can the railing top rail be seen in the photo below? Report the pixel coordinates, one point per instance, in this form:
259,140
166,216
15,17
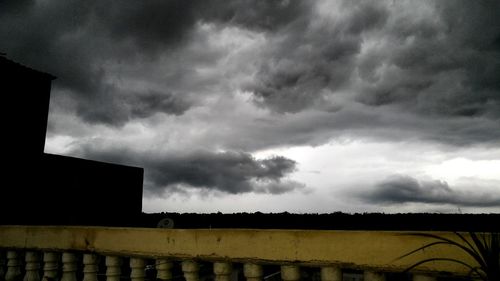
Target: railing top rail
355,249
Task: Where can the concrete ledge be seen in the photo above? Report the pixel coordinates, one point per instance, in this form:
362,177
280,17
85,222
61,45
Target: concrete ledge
375,250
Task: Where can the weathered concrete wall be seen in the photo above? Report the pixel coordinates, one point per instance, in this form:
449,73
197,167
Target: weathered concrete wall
352,249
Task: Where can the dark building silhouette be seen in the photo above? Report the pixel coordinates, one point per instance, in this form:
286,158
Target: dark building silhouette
40,188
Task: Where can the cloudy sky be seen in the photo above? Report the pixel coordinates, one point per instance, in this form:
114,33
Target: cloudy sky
271,106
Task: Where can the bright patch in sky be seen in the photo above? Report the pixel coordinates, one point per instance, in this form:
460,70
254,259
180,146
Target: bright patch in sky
454,169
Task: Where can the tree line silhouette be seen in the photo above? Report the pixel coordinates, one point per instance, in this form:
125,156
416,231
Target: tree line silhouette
331,221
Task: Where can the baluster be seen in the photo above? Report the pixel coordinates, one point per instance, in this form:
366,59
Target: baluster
90,267
113,268
13,266
190,269
331,273
374,276
420,277
3,260
138,269
32,267
164,269
223,271
50,266
69,267
290,273
253,272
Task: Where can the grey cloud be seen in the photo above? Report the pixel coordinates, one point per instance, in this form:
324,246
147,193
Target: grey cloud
71,41
229,172
428,77
364,16
160,24
83,43
446,66
405,189
312,128
438,65
15,7
260,15
52,37
313,59
118,106
150,25
278,187
144,105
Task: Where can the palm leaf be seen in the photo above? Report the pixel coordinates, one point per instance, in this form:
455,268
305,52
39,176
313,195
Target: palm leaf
478,256
421,248
472,252
472,268
484,249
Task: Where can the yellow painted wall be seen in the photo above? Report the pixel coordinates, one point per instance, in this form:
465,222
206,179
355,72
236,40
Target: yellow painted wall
353,249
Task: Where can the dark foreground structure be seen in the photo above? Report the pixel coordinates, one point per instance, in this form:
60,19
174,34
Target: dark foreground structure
332,221
40,188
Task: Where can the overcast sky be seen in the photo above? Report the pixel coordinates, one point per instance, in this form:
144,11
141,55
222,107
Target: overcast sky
271,106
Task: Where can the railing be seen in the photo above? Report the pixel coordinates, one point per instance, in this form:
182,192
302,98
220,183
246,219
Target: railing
99,253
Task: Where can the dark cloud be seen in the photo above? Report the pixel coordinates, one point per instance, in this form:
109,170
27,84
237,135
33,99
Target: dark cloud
151,26
15,7
364,16
444,66
313,59
229,172
429,64
83,44
317,70
444,63
143,105
260,15
127,106
405,189
356,69
80,43
232,172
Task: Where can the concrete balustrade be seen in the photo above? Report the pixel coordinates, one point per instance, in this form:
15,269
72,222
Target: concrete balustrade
190,269
69,267
137,266
222,271
90,267
50,266
69,249
253,272
113,268
32,266
13,266
290,273
164,269
373,276
331,273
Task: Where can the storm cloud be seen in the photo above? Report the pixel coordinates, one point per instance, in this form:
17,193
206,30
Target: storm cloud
193,90
231,172
93,47
324,56
228,172
441,67
313,59
433,63
405,189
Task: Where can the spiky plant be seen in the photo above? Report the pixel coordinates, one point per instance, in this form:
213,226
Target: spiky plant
484,248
